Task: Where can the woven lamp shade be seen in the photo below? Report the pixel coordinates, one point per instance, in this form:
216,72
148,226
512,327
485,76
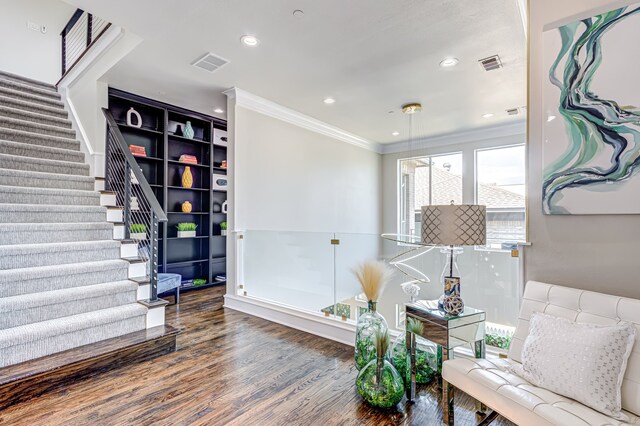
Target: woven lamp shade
454,225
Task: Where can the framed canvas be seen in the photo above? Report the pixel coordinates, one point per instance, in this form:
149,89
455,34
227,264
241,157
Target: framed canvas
591,149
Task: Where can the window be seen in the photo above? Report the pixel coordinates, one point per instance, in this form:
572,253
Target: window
500,185
425,181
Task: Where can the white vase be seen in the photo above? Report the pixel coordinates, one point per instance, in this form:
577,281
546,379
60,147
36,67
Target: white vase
224,206
133,113
186,234
138,236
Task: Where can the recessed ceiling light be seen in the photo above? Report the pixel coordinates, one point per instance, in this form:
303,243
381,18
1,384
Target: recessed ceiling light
250,40
329,101
218,110
395,133
449,62
298,13
487,115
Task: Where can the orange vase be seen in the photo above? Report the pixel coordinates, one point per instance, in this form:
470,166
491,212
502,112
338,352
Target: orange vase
187,178
186,207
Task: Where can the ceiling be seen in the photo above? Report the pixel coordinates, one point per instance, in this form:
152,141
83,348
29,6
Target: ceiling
372,56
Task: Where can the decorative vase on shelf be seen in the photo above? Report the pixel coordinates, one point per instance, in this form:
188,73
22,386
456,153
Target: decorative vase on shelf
379,383
224,207
138,119
186,207
426,358
368,325
179,131
187,178
188,131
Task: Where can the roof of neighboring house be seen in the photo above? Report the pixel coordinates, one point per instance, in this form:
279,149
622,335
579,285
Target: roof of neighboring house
447,187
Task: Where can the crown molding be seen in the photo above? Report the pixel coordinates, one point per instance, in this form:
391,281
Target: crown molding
272,109
518,128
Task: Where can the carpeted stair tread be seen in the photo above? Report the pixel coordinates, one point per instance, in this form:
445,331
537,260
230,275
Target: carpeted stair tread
32,164
38,139
25,80
30,308
33,107
39,128
14,282
33,213
39,151
35,340
29,88
35,117
45,233
11,177
28,97
30,255
27,195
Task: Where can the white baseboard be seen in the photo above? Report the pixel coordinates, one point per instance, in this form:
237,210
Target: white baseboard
317,324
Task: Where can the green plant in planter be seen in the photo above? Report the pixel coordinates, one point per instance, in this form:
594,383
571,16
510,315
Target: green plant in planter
186,226
426,358
223,226
199,282
137,228
502,342
379,383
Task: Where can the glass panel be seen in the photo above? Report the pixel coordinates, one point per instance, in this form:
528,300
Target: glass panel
500,186
291,268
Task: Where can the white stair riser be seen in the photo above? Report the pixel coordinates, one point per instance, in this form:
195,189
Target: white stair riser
129,250
144,291
108,200
114,215
155,316
99,185
118,232
138,270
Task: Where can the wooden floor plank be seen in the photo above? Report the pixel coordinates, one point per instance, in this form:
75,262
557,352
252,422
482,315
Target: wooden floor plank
231,369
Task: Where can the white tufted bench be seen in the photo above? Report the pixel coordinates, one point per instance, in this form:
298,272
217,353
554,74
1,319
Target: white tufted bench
525,404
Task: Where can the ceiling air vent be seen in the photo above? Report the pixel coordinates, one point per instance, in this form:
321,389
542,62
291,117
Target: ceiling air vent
491,63
513,111
210,62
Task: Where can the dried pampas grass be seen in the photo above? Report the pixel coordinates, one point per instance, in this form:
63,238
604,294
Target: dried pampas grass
373,276
382,342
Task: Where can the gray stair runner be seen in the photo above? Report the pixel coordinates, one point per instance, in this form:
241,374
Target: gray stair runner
63,283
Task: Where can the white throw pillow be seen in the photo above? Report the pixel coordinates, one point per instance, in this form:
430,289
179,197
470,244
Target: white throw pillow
584,362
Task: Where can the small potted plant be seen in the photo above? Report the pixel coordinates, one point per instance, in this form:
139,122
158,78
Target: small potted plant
223,228
186,229
199,281
138,231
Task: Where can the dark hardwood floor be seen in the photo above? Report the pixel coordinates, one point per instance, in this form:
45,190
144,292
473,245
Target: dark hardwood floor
231,368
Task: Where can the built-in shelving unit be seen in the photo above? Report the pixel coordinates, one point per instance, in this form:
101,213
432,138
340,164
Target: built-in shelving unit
203,256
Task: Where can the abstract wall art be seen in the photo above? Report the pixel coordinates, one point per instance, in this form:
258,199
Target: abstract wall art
591,149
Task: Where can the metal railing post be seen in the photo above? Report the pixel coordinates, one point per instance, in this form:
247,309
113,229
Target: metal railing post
127,200
89,28
153,258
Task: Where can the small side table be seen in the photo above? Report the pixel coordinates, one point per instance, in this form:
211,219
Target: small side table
447,331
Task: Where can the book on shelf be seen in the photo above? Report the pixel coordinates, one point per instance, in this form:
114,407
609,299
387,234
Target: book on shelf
220,278
189,159
138,151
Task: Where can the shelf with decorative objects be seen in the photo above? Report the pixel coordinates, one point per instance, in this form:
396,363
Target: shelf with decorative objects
183,155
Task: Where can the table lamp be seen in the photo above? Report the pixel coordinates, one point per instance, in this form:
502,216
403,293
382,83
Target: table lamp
453,225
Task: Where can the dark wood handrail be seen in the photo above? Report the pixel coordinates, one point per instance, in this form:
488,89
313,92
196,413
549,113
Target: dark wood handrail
74,18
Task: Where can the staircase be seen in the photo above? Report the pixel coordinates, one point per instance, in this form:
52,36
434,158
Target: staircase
64,274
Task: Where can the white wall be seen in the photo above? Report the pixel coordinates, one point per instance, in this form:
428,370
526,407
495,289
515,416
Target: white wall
598,253
290,178
85,92
26,52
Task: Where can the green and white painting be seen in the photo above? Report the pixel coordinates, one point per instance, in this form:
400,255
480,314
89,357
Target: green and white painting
592,115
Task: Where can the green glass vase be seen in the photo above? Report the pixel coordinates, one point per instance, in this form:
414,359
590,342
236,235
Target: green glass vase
368,324
426,358
380,384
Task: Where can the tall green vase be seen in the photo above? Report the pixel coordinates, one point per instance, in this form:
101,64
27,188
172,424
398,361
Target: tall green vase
368,324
